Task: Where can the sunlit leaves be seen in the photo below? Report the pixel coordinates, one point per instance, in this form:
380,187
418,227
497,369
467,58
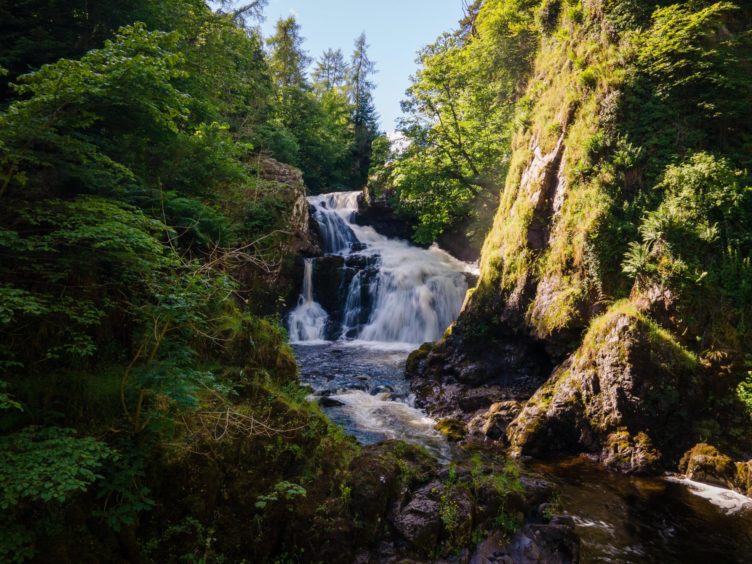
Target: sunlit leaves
460,110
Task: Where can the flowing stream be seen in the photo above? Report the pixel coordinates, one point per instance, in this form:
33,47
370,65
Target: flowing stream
370,300
385,298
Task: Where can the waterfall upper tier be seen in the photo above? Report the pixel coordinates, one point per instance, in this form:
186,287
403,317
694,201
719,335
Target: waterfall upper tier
386,289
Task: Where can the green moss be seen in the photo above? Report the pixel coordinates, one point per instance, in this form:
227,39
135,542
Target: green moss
453,429
415,357
664,347
705,463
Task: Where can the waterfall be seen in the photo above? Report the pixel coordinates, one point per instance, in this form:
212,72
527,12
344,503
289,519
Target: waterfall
399,293
308,321
333,214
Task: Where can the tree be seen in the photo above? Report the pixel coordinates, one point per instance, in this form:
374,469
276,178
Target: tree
459,118
365,118
288,60
361,85
331,70
253,10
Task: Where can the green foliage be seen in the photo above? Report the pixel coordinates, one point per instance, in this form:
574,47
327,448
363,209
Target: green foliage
132,74
450,513
744,393
134,198
698,239
461,109
284,490
122,492
48,464
6,400
691,76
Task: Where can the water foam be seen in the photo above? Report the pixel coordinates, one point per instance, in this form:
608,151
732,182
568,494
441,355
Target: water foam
414,296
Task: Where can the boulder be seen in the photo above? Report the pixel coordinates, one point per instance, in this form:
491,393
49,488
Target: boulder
463,373
626,394
493,422
705,463
543,544
419,521
453,429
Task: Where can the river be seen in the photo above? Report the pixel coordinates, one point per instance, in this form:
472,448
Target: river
395,296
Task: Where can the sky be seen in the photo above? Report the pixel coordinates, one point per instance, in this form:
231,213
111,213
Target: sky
396,29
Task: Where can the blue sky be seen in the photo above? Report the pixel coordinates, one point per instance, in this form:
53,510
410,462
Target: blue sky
396,29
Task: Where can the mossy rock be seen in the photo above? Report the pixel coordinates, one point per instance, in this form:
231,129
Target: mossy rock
705,463
631,454
453,429
412,366
628,377
743,479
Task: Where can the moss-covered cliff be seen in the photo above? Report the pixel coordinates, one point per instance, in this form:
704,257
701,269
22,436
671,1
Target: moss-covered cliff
621,246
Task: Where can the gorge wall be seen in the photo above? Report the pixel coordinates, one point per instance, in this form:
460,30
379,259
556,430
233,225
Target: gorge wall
609,315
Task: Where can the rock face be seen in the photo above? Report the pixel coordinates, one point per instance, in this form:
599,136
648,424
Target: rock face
597,351
281,268
288,181
493,422
622,395
419,521
332,275
460,376
378,214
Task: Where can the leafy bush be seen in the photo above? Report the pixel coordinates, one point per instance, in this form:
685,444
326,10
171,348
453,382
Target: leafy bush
48,464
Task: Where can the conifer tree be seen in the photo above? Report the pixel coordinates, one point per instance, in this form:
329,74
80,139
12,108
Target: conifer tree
365,118
331,70
288,60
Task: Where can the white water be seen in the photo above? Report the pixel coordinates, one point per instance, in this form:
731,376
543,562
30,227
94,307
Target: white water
308,321
412,298
727,500
380,415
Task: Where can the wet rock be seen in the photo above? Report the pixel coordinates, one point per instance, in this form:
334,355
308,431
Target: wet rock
536,490
480,398
471,279
458,243
743,478
493,422
419,521
461,374
631,455
416,360
326,401
377,213
544,544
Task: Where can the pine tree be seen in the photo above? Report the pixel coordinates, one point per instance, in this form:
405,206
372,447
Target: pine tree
331,70
365,118
288,60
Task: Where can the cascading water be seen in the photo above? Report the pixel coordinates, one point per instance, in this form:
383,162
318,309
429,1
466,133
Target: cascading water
308,321
383,298
398,293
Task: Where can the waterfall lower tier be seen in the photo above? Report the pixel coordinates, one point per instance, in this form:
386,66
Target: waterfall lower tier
308,321
377,289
